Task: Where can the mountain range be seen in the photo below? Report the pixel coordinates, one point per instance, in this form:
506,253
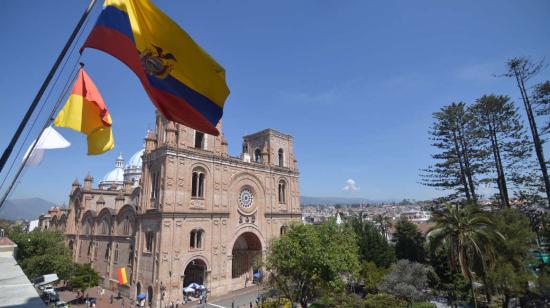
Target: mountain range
29,208
32,208
308,200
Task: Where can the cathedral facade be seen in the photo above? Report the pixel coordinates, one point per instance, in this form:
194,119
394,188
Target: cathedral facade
184,211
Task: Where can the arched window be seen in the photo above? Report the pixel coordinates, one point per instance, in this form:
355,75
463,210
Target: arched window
104,226
149,237
282,192
126,225
283,230
155,187
197,183
195,239
130,255
116,254
258,156
281,158
107,252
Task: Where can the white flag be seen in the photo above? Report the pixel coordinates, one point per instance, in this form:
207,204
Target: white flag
49,139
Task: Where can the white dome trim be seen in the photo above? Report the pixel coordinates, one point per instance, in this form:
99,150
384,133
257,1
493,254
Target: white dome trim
135,161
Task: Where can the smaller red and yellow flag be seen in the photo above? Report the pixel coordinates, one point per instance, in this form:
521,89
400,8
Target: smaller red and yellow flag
121,273
86,112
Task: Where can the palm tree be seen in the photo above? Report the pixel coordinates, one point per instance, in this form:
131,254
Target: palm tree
469,236
384,224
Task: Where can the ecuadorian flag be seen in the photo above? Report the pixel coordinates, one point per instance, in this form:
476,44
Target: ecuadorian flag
185,83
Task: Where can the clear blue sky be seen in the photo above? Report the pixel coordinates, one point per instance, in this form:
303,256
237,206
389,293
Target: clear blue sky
355,82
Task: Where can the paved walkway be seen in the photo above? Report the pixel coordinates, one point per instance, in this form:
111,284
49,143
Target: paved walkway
102,300
239,298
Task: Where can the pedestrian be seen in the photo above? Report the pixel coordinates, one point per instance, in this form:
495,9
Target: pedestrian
251,305
233,304
112,298
122,303
245,280
177,303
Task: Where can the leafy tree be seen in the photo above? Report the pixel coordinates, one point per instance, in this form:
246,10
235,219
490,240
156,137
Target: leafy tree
510,275
372,275
373,246
84,277
457,159
383,300
447,281
42,252
469,236
409,242
500,129
523,69
309,259
407,280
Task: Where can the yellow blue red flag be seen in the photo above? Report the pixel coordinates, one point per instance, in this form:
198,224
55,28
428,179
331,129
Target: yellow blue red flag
184,82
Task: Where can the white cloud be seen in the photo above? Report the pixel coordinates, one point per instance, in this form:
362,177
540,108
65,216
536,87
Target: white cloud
351,185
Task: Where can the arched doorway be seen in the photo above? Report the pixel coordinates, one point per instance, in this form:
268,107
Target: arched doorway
150,296
247,254
195,272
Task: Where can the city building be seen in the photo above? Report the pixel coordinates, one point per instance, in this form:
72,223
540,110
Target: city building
183,210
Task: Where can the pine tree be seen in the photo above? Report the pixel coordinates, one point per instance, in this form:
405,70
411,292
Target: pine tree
499,128
541,104
523,69
458,156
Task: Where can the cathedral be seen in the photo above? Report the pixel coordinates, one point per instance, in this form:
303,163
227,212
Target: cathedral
182,210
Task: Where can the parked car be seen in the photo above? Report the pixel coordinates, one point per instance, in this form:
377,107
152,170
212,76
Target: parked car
49,289
50,298
61,304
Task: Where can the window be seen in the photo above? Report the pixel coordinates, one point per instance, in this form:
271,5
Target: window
126,225
130,254
282,191
195,239
116,253
281,158
104,226
89,254
283,230
199,140
258,156
155,186
149,236
197,184
107,252
88,227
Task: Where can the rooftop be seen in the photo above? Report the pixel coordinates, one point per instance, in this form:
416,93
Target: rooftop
15,288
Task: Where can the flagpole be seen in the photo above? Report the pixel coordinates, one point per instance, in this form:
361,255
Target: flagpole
53,70
47,123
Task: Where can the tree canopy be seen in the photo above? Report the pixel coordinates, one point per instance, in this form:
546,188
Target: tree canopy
409,242
309,259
